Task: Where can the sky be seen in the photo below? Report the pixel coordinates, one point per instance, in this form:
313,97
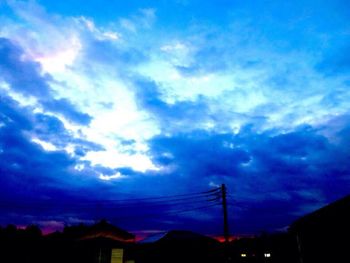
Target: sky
103,101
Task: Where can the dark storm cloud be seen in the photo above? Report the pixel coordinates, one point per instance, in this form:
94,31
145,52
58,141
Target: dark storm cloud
274,171
21,155
271,175
199,154
24,165
24,76
28,172
280,171
43,186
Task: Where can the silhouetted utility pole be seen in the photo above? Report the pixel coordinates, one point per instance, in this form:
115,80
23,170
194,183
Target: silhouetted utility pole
224,208
299,249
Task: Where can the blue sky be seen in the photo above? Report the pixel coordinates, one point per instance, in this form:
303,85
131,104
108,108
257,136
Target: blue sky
113,100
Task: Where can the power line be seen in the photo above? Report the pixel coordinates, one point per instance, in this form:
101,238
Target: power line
167,198
100,204
170,200
184,202
161,205
208,196
215,190
142,216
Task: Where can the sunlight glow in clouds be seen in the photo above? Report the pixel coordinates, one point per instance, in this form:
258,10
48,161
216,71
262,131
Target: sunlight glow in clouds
113,158
65,61
111,177
62,58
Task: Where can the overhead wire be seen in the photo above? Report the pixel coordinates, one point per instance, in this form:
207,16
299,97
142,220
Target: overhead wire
170,200
156,207
166,198
215,190
142,216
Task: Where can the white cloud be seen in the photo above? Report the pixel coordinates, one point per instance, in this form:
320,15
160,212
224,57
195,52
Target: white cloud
111,177
47,146
99,33
60,59
113,158
143,19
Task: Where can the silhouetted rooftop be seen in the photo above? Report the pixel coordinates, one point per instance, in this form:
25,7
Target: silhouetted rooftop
106,230
332,214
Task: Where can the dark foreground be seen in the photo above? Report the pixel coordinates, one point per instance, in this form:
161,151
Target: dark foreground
29,246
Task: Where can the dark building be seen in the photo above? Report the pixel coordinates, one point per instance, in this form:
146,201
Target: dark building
179,246
99,243
323,235
109,243
20,245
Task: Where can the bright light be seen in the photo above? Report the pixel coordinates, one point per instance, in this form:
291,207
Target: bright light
267,255
58,60
243,255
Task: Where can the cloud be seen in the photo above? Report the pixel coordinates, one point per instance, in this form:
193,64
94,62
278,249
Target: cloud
34,179
109,53
171,116
143,19
259,168
24,76
27,167
67,109
90,73
42,185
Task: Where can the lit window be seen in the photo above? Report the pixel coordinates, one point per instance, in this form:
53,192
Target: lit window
243,255
267,255
117,255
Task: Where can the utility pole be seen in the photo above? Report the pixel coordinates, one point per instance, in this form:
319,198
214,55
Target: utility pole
299,249
224,208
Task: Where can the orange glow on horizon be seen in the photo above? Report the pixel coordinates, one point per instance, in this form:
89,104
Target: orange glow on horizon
221,239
